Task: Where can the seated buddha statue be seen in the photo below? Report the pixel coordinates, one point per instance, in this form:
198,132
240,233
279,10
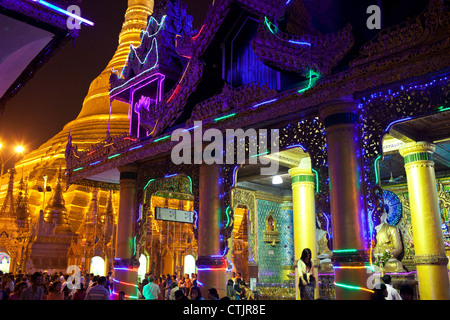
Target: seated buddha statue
388,238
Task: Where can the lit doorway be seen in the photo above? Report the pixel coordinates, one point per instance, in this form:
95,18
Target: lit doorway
98,266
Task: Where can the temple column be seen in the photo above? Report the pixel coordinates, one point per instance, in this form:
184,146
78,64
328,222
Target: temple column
430,257
304,217
211,266
125,265
349,219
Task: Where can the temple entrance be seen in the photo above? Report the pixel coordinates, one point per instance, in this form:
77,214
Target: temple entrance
142,267
170,236
189,265
240,243
4,262
97,266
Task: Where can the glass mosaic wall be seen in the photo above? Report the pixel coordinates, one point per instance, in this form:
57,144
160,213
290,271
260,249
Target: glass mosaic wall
271,258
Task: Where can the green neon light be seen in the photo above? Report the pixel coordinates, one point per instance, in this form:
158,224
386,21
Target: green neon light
225,117
148,183
269,25
260,154
227,210
345,250
347,286
190,181
317,179
442,108
77,169
311,82
377,174
134,245
114,156
162,138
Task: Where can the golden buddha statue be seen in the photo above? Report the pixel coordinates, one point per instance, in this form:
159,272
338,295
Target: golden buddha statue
388,239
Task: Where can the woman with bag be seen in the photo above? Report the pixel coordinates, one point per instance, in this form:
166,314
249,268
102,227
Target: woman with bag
306,281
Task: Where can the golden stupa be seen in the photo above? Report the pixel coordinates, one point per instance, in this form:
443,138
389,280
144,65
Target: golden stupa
89,127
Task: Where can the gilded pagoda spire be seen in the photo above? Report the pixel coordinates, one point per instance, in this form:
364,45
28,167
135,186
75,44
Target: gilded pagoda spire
8,207
23,209
56,209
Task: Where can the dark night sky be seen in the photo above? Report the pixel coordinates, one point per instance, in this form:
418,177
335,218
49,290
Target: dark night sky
54,96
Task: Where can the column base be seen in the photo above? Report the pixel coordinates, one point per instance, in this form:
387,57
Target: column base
212,274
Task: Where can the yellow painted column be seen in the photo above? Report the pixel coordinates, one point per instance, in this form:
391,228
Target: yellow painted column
210,265
125,265
349,219
430,257
304,217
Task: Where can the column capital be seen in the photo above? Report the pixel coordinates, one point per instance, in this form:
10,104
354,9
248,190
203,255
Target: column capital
301,175
417,148
345,105
296,171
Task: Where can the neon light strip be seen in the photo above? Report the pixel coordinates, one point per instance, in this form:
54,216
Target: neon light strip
317,179
224,117
302,43
261,154
212,269
134,148
265,102
125,283
377,176
114,156
354,267
94,163
310,84
190,181
148,183
170,175
442,108
67,13
352,287
77,169
126,269
228,216
191,128
162,138
345,250
396,121
198,34
126,296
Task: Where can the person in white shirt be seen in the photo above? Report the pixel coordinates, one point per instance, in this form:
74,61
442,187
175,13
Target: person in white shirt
151,290
392,292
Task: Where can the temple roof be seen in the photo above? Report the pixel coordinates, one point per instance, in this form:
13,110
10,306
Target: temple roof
30,33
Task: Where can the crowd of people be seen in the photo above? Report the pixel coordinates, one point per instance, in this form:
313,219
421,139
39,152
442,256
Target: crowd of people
172,287
45,286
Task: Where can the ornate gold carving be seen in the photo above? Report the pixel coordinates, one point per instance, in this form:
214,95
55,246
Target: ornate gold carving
437,259
242,197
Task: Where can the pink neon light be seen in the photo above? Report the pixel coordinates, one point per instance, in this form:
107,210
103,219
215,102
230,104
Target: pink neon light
174,93
198,34
125,283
